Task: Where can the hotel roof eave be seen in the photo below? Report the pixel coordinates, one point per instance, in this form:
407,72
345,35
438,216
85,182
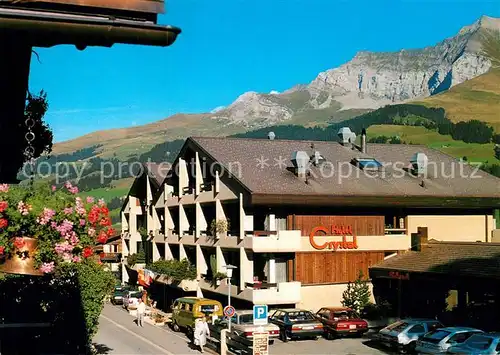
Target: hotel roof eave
46,29
375,201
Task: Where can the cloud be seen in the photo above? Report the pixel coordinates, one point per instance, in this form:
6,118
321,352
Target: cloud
217,109
133,123
274,92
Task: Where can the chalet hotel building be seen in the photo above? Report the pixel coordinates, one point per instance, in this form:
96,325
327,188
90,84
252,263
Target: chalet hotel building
304,218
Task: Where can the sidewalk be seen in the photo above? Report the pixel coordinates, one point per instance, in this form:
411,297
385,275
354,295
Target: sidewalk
162,337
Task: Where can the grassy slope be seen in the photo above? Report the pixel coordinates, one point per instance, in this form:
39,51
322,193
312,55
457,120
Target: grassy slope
136,140
477,99
444,143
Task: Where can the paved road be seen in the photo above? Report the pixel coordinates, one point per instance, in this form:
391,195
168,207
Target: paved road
323,347
119,335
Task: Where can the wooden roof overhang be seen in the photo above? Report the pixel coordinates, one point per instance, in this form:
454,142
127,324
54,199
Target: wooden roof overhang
47,28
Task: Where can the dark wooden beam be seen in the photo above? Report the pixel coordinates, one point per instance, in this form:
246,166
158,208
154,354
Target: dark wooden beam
14,69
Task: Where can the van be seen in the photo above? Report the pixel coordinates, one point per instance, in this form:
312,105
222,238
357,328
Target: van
187,309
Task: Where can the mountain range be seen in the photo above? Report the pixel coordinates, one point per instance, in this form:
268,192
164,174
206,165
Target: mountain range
459,74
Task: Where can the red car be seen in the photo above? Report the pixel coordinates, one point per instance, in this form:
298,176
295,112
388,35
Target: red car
341,321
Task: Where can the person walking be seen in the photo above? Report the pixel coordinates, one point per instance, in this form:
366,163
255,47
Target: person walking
201,332
141,309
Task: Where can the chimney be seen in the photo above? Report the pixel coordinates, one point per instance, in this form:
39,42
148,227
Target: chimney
363,141
300,160
317,158
271,136
346,136
419,164
422,238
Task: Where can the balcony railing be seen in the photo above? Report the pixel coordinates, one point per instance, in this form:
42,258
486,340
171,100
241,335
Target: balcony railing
264,233
260,285
395,231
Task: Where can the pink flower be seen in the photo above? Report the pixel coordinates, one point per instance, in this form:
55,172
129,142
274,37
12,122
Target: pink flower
74,239
90,199
24,208
63,248
73,190
65,228
82,222
101,202
47,268
76,259
54,188
4,188
80,208
91,232
68,210
68,185
46,216
67,257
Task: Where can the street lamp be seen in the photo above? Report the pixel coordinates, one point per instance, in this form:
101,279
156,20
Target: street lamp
229,273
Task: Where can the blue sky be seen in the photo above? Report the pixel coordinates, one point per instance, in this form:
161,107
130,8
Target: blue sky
228,47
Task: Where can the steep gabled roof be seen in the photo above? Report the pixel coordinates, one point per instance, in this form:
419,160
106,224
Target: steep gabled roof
265,167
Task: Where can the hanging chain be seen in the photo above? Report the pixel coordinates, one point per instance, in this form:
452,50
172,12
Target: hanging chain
29,151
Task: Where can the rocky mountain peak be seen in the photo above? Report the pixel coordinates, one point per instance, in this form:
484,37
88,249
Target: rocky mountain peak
374,79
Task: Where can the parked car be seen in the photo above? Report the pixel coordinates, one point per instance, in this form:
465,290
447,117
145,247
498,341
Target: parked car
478,344
341,321
118,294
403,334
438,341
296,323
185,311
242,325
131,299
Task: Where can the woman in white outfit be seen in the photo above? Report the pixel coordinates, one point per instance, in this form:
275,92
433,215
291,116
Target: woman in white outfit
201,332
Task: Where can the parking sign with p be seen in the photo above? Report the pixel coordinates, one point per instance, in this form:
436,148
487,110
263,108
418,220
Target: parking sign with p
260,315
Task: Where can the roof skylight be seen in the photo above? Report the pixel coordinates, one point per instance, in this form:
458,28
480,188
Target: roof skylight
368,163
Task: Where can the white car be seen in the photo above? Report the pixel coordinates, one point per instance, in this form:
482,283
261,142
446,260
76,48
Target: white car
131,299
242,325
438,341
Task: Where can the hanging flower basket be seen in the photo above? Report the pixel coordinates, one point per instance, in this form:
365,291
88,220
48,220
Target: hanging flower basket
42,227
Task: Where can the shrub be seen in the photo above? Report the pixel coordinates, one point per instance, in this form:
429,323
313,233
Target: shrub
175,270
131,260
219,226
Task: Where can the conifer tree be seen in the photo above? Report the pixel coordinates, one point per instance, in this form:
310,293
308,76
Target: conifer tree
357,294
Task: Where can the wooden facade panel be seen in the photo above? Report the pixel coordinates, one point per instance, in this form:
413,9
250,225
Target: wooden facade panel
336,267
361,225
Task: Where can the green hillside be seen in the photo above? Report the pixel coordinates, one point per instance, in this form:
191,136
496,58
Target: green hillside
475,152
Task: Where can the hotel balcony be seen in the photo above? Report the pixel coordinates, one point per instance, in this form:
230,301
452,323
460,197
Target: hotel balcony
259,293
282,241
278,293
